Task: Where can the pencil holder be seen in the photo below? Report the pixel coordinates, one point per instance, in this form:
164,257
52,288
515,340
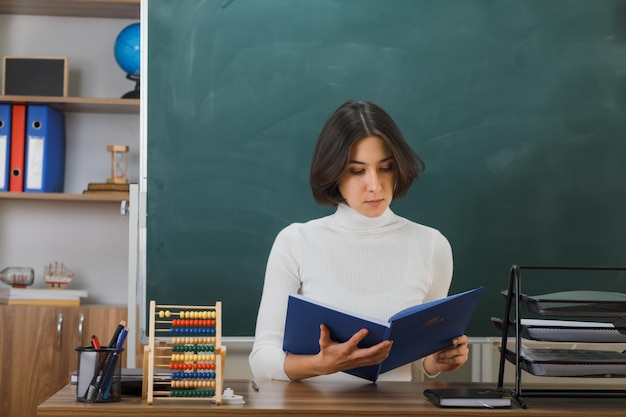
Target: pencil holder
99,374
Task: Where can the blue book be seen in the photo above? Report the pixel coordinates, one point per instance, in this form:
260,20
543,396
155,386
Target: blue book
5,145
416,331
44,168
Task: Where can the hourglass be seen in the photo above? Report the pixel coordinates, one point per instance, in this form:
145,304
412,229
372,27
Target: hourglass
119,164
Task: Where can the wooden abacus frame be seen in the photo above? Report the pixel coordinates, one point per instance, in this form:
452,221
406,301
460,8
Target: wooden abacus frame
160,348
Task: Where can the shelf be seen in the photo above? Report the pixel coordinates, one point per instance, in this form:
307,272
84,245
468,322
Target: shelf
63,197
81,104
119,9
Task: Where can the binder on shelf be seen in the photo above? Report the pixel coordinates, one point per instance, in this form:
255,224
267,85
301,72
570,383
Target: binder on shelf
18,130
45,150
5,145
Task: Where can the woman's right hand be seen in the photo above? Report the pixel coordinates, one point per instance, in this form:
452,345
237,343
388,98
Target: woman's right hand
335,357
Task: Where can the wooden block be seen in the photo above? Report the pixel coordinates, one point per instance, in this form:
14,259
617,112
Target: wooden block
107,186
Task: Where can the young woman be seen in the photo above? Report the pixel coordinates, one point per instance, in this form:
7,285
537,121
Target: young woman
363,258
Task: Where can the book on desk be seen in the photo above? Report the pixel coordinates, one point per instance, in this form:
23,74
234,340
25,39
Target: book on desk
467,397
416,331
131,380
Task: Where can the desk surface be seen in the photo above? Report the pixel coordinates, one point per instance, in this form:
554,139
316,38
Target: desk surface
306,399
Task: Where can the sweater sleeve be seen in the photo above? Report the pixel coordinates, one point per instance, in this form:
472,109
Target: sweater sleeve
281,279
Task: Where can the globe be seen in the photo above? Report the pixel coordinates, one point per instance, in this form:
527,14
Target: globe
127,49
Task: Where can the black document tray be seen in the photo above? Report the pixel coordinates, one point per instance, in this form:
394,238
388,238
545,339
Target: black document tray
567,331
575,303
571,362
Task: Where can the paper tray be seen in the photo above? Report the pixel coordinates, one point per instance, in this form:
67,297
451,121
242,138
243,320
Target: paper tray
566,331
575,303
571,362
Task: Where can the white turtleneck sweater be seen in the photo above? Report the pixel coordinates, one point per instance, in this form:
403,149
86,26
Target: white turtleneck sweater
370,266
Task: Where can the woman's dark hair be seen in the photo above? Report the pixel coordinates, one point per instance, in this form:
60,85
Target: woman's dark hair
351,122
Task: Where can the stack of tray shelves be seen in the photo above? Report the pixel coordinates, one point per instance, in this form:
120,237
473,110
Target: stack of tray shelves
591,317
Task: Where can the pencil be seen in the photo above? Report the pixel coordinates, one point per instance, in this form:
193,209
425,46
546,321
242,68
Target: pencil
116,335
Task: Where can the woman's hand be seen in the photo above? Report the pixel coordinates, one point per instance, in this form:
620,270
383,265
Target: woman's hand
334,356
448,359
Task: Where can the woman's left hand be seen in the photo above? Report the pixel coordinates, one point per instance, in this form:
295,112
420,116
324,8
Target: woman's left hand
448,359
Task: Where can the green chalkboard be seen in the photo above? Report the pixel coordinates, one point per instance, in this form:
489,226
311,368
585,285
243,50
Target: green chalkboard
517,107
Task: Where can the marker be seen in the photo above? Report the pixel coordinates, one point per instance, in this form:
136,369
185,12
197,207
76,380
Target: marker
95,343
254,385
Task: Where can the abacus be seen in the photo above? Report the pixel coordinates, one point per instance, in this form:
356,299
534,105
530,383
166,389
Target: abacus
184,358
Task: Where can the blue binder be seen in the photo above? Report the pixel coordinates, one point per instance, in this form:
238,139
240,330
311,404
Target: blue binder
45,150
5,145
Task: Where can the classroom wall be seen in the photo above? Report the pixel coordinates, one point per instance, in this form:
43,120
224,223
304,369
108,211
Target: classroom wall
90,238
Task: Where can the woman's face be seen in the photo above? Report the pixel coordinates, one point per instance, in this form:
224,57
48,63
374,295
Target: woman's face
368,180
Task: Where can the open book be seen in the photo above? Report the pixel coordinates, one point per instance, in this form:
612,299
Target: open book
416,331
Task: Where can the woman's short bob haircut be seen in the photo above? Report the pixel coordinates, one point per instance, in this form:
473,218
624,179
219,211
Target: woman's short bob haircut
351,122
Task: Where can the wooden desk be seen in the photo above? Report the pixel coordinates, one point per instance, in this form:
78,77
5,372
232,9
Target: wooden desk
307,399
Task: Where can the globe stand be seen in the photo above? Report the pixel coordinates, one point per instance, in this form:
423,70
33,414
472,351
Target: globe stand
133,93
